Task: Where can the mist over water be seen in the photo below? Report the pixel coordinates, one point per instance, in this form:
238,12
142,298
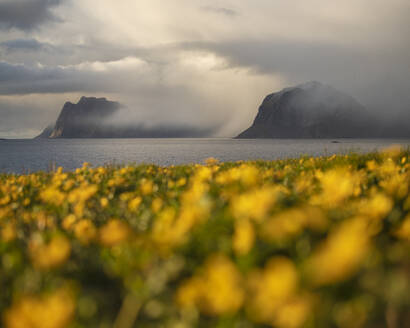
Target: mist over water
22,156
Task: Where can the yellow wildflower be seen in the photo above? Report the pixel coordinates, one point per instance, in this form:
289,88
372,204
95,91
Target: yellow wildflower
85,231
271,288
294,313
114,232
156,205
181,182
255,204
8,232
134,204
104,202
244,237
341,254
55,310
146,187
377,207
69,221
82,194
53,196
403,231
284,225
397,185
371,165
51,255
337,186
216,290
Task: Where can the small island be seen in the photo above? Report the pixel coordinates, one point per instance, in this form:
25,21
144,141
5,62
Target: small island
95,118
316,110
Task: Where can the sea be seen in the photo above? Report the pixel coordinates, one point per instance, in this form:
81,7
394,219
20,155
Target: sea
32,155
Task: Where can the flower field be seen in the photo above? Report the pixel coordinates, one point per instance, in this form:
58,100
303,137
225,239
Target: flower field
307,242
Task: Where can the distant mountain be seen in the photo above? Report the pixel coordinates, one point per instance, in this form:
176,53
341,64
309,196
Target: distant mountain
92,118
315,110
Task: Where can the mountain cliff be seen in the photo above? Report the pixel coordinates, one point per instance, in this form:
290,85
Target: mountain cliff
94,118
310,110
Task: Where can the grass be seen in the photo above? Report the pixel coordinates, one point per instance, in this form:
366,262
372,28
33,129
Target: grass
306,242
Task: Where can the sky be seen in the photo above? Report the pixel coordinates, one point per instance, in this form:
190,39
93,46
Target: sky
196,62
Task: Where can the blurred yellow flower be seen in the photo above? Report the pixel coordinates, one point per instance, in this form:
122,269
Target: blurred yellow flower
85,231
146,186
377,207
69,221
8,232
46,256
255,204
104,202
341,254
54,310
244,237
403,231
294,313
114,232
271,288
53,196
337,186
134,204
156,205
216,290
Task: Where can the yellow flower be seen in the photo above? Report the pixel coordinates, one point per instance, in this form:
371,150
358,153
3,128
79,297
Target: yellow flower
248,175
49,256
82,194
341,253
104,202
146,187
181,182
403,231
255,204
337,185
244,237
271,288
134,204
54,310
53,196
377,207
371,165
284,225
69,221
8,232
216,290
156,205
114,232
85,231
294,313
397,185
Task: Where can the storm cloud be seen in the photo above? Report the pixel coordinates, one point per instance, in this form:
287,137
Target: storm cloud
198,62
26,14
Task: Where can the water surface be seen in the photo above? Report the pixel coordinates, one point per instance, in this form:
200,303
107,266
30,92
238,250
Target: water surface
21,156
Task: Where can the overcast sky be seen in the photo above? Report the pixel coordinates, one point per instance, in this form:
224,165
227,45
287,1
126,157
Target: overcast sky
196,62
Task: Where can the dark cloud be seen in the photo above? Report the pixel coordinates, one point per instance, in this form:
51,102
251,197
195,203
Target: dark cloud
26,14
19,79
25,46
378,77
22,44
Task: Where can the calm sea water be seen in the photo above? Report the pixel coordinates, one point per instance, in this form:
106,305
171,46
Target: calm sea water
22,156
